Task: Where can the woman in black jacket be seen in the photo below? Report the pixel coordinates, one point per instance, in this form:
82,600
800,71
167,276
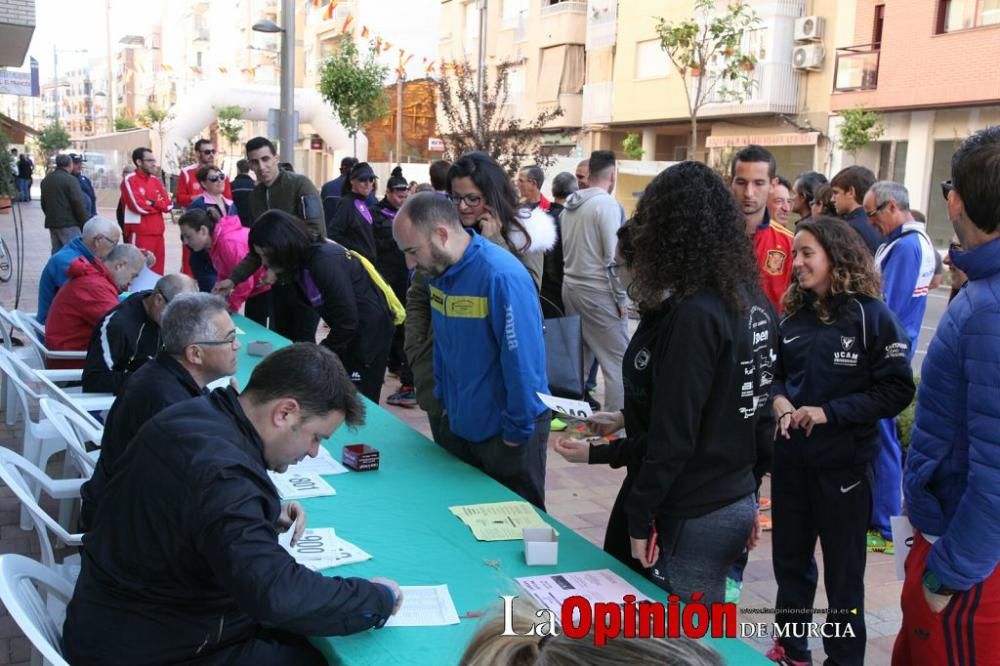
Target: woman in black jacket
338,287
696,386
842,365
352,224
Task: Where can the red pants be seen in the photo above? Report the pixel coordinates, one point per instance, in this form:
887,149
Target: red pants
966,632
186,261
152,242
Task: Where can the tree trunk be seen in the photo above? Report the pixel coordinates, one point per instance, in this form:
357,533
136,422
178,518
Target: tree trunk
693,152
355,137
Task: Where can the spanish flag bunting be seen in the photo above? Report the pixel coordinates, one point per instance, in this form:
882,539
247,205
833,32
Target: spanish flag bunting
401,72
364,31
328,14
195,69
315,3
224,70
347,22
430,68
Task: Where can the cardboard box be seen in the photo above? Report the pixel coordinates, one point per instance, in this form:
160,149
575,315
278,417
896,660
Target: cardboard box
541,546
360,457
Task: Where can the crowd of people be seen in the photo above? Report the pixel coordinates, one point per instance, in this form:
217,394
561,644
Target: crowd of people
777,322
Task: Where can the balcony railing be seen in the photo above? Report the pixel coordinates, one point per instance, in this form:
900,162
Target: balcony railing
857,68
565,6
775,89
597,102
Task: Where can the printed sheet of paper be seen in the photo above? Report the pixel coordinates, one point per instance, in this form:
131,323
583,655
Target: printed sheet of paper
222,382
500,521
324,463
577,409
902,537
425,606
600,585
240,331
321,548
300,485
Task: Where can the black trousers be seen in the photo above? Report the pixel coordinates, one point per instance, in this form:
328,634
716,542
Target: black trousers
520,468
270,646
397,358
833,505
258,308
291,316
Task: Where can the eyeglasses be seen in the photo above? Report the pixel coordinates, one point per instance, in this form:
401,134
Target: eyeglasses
470,200
873,213
215,179
946,187
210,151
229,340
613,269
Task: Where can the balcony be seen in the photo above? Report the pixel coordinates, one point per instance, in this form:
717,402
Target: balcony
857,68
572,107
602,25
597,103
563,23
775,90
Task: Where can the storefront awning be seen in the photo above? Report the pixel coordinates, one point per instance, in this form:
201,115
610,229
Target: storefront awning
740,140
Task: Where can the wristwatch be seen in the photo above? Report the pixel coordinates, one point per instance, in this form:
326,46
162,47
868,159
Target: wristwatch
934,584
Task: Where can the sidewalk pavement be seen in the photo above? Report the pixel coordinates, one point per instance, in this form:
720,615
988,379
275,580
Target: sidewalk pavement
579,496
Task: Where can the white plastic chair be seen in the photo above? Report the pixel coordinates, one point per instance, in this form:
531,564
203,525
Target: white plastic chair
35,333
20,476
76,431
9,401
36,598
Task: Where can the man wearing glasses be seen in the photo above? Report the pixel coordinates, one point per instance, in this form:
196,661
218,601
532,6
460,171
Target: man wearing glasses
129,335
100,235
199,346
905,258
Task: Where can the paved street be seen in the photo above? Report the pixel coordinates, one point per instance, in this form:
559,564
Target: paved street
580,496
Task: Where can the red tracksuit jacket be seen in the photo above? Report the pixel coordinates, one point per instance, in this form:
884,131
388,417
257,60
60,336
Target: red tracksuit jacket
145,203
78,307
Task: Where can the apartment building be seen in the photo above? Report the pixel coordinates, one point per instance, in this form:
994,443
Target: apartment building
928,66
545,43
17,25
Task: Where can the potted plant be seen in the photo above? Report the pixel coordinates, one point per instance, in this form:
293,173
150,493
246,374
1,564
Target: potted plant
7,188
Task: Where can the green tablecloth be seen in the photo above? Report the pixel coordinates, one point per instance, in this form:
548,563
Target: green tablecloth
399,514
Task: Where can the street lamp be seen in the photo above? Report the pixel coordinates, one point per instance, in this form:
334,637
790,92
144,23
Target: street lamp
287,132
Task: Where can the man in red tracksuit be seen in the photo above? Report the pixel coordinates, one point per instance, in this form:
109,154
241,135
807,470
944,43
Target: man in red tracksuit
92,291
189,189
753,173
145,201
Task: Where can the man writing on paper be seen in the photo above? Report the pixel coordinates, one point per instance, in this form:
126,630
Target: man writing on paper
489,356
183,562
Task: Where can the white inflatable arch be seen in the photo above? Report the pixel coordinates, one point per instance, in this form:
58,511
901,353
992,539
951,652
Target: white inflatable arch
196,111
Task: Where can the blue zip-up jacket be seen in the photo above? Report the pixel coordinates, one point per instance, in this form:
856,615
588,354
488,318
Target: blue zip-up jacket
88,193
489,354
54,274
952,476
906,261
856,368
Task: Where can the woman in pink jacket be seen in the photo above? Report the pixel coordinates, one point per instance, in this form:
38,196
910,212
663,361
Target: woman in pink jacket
225,238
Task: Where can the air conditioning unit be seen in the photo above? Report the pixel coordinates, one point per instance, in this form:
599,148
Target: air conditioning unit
809,29
808,57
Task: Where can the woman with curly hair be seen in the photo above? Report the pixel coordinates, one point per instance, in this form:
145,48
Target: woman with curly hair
696,376
842,365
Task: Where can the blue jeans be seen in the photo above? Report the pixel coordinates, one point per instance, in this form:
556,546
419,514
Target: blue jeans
23,189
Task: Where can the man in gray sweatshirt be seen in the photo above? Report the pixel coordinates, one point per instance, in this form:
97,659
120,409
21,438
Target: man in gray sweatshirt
590,223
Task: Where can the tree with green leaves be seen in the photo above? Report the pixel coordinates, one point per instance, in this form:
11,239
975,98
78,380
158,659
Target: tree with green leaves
156,119
7,169
355,87
500,133
858,128
708,51
53,138
124,122
632,145
230,120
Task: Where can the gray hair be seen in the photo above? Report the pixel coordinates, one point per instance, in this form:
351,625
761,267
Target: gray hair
100,226
128,253
564,184
188,319
170,286
426,209
534,173
886,190
63,161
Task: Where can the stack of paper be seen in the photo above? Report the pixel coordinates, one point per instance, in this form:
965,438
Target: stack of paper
323,463
299,485
500,521
321,548
425,606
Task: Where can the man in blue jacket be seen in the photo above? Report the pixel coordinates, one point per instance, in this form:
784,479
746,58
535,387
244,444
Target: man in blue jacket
89,195
100,235
489,355
951,595
905,258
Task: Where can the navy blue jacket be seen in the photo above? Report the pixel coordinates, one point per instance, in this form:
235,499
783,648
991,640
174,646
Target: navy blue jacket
183,559
952,476
856,368
90,197
858,219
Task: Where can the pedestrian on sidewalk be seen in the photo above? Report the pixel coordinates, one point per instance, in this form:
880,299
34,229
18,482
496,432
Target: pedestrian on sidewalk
842,365
63,203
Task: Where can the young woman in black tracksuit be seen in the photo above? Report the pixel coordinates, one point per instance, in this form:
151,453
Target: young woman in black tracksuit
697,382
842,366
338,287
